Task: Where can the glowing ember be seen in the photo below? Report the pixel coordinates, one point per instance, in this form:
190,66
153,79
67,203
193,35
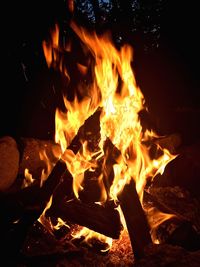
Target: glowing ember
115,93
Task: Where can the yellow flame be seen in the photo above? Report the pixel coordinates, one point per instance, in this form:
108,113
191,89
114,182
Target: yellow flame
78,163
68,123
43,219
115,91
49,166
89,235
28,180
60,223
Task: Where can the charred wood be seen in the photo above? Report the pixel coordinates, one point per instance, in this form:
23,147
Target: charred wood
135,218
20,209
178,201
100,218
182,228
183,171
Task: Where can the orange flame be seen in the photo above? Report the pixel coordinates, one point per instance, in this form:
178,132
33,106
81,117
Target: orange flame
120,104
48,48
155,218
49,166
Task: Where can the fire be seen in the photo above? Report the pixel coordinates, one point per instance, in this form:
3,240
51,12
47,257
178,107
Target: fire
49,49
49,166
115,92
68,123
155,218
28,180
90,235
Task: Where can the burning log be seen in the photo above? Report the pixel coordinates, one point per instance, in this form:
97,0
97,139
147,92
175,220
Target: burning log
182,225
33,198
100,218
136,221
94,216
19,210
184,171
60,168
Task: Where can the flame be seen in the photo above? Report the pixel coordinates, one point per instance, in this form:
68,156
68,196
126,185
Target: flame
60,223
43,219
46,221
28,180
52,52
155,218
89,235
49,166
68,123
114,90
120,116
49,48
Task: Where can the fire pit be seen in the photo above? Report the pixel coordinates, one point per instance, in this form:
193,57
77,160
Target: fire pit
102,192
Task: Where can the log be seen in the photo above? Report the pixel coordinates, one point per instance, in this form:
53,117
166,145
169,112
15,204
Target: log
84,212
183,171
34,198
171,142
135,218
178,201
89,131
19,210
103,219
182,229
9,162
21,207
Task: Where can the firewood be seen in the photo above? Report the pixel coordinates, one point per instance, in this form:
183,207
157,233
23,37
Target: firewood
183,171
183,228
135,218
34,198
170,142
9,162
178,201
20,209
100,218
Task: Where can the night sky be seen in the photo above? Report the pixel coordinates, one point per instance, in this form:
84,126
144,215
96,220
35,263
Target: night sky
168,75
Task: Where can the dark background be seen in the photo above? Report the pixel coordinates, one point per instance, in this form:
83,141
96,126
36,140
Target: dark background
166,65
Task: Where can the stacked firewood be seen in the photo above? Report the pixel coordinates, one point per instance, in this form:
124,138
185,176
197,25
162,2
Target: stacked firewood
21,206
